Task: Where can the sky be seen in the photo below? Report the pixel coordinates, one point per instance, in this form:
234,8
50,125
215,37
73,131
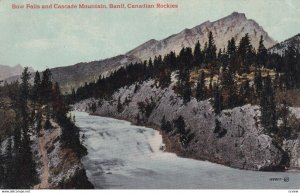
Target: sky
51,38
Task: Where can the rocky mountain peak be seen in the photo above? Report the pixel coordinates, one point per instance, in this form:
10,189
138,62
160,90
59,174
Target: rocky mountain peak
235,25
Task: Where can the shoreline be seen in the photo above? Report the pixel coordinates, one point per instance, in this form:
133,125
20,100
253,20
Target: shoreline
173,147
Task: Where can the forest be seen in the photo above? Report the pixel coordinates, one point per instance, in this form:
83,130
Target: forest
229,78
31,107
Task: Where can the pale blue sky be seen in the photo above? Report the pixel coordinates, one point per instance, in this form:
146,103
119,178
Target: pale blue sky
41,38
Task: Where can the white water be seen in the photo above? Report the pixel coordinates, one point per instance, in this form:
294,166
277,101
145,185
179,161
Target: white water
121,155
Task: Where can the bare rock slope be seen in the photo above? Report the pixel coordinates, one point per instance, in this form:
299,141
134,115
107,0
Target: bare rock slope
235,25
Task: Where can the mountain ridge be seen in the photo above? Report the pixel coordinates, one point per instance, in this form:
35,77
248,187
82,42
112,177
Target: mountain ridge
10,71
281,47
234,25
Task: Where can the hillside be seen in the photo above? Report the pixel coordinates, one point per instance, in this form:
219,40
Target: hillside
244,144
281,47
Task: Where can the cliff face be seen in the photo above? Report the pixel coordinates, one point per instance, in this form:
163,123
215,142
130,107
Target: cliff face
242,145
59,167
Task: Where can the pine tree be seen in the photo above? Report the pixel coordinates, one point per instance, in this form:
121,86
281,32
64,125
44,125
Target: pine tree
262,53
245,52
283,114
36,87
9,173
218,100
258,82
200,89
211,50
186,87
46,86
268,107
198,56
119,105
1,167
245,92
179,125
58,106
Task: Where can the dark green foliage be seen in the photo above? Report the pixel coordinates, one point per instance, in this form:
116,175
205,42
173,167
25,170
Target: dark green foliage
201,89
70,135
218,100
166,126
185,57
283,114
179,125
292,68
262,54
93,107
246,53
9,170
198,55
219,131
2,165
210,52
35,95
268,107
258,83
184,85
245,92
119,106
147,107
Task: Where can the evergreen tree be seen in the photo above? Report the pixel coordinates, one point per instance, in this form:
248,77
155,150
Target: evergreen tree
36,87
291,68
245,92
198,56
268,107
211,49
9,173
229,89
58,106
179,125
185,87
258,82
245,52
46,86
262,53
1,167
23,98
283,114
218,100
200,89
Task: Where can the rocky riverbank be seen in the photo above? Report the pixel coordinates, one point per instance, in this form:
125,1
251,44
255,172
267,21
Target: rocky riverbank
239,141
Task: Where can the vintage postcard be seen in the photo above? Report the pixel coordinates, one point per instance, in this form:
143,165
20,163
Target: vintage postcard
149,94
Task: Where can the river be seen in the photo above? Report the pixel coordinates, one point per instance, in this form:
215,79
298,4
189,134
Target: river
124,156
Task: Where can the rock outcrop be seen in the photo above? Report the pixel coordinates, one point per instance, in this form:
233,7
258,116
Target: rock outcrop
243,143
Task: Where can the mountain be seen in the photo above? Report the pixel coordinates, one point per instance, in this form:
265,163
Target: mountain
73,76
235,25
8,71
281,47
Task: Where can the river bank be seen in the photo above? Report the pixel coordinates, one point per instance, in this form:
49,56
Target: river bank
125,156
